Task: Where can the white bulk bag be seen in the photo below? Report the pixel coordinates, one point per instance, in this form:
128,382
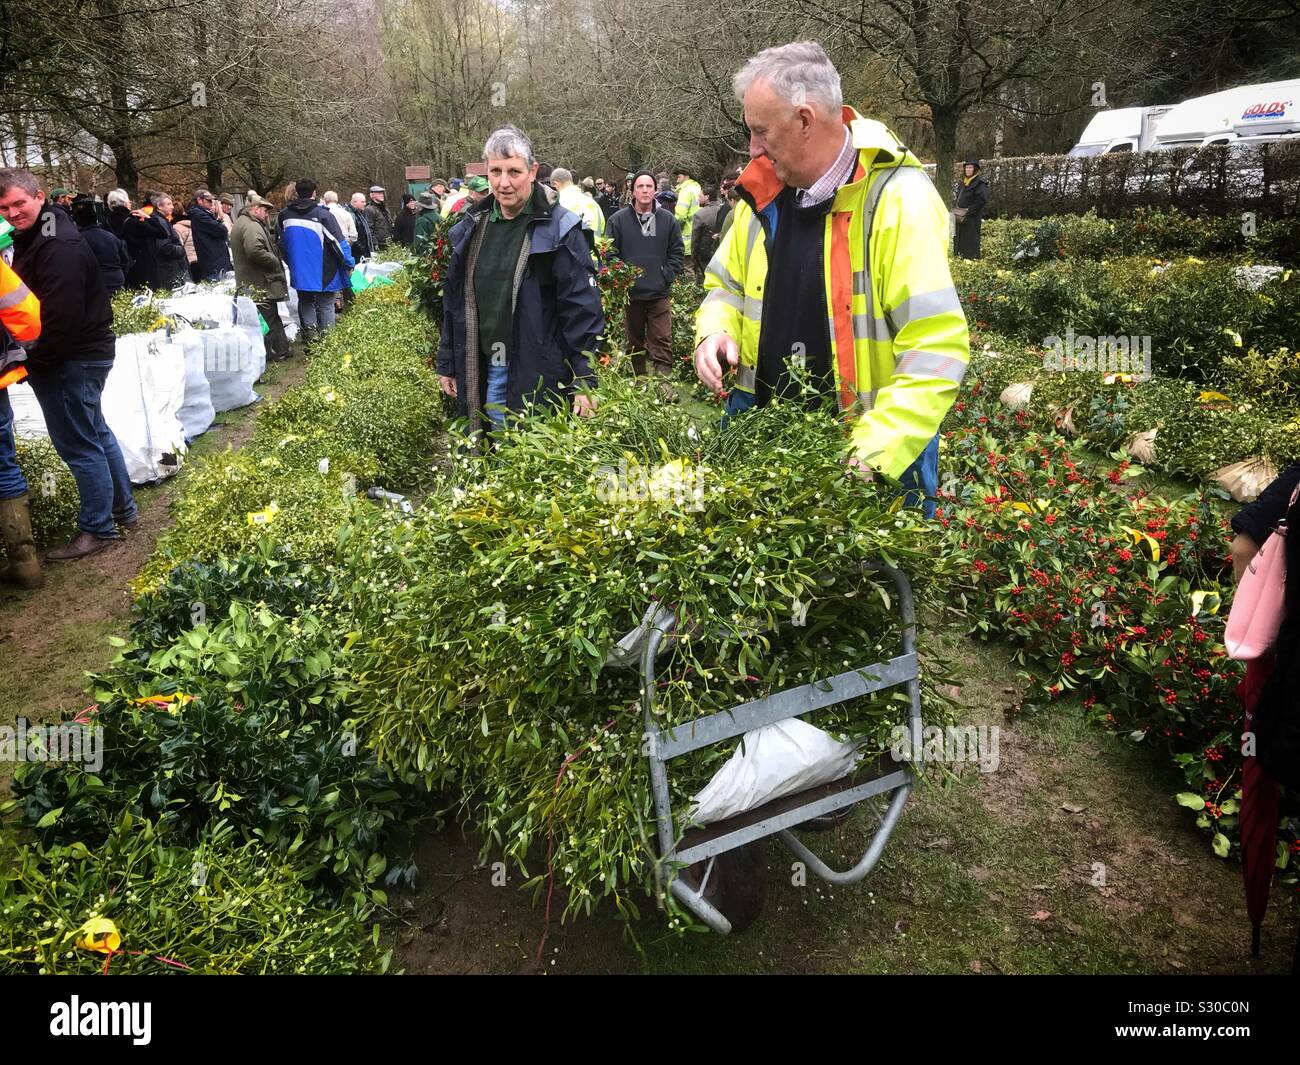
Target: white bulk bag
248,319
197,412
288,318
142,398
772,761
202,309
230,367
29,419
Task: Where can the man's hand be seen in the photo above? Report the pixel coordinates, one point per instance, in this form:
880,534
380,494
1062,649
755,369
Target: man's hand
448,385
1243,550
584,405
708,359
865,473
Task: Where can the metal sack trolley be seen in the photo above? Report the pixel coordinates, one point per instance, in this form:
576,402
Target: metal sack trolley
720,878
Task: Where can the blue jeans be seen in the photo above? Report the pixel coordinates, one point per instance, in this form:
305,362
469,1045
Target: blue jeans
920,481
69,395
316,310
12,481
496,393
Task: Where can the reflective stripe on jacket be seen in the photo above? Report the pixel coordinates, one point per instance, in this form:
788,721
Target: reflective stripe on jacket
20,310
899,339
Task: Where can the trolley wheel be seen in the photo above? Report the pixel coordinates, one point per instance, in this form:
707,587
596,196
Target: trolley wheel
737,887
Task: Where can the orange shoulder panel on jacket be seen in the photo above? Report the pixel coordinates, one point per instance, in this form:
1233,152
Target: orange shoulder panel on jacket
20,310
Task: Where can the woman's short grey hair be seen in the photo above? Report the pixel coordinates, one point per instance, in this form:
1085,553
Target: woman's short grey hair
506,143
800,72
117,198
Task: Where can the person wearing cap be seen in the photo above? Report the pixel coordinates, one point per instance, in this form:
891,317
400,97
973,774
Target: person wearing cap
576,200
381,222
404,223
62,199
258,270
426,204
688,202
110,251
647,236
211,240
521,305
969,198
226,212
320,260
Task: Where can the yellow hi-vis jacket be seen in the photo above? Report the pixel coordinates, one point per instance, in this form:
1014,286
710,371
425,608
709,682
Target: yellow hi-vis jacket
20,315
688,206
899,340
585,208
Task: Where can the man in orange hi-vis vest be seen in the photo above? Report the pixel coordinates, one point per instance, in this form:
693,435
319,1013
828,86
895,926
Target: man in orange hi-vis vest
20,324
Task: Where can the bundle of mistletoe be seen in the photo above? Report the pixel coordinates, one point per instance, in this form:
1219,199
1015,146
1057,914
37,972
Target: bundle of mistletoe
484,623
137,904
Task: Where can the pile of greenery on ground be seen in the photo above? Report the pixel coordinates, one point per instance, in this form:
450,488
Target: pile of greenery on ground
52,492
368,413
1114,597
483,624
1198,430
136,903
1194,314
231,702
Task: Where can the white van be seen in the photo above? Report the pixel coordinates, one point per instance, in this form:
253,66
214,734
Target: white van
1120,129
1231,116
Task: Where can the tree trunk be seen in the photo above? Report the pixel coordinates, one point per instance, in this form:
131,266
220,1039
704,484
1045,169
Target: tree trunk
214,171
944,120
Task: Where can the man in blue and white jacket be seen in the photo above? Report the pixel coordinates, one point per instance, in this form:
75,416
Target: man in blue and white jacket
319,258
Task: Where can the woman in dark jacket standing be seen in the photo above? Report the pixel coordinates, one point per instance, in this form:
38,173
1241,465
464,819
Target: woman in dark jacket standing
971,195
157,258
110,251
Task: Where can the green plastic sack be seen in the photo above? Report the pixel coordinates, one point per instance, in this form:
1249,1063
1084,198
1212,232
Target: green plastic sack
359,280
262,322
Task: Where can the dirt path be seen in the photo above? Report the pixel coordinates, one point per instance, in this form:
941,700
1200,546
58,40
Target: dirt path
50,638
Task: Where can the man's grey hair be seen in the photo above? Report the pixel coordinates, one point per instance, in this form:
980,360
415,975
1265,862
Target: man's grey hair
506,143
331,197
353,197
561,174
800,72
18,178
117,198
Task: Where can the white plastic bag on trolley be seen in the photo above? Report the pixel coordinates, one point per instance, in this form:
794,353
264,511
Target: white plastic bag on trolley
772,761
142,398
230,367
197,413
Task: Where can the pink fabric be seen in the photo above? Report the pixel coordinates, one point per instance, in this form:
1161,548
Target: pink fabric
1257,604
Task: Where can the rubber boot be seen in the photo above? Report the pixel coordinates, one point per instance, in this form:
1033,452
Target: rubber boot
16,528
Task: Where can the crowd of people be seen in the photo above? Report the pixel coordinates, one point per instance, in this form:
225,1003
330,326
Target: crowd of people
862,300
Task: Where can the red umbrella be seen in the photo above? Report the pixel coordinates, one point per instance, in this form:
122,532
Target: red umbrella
1259,807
